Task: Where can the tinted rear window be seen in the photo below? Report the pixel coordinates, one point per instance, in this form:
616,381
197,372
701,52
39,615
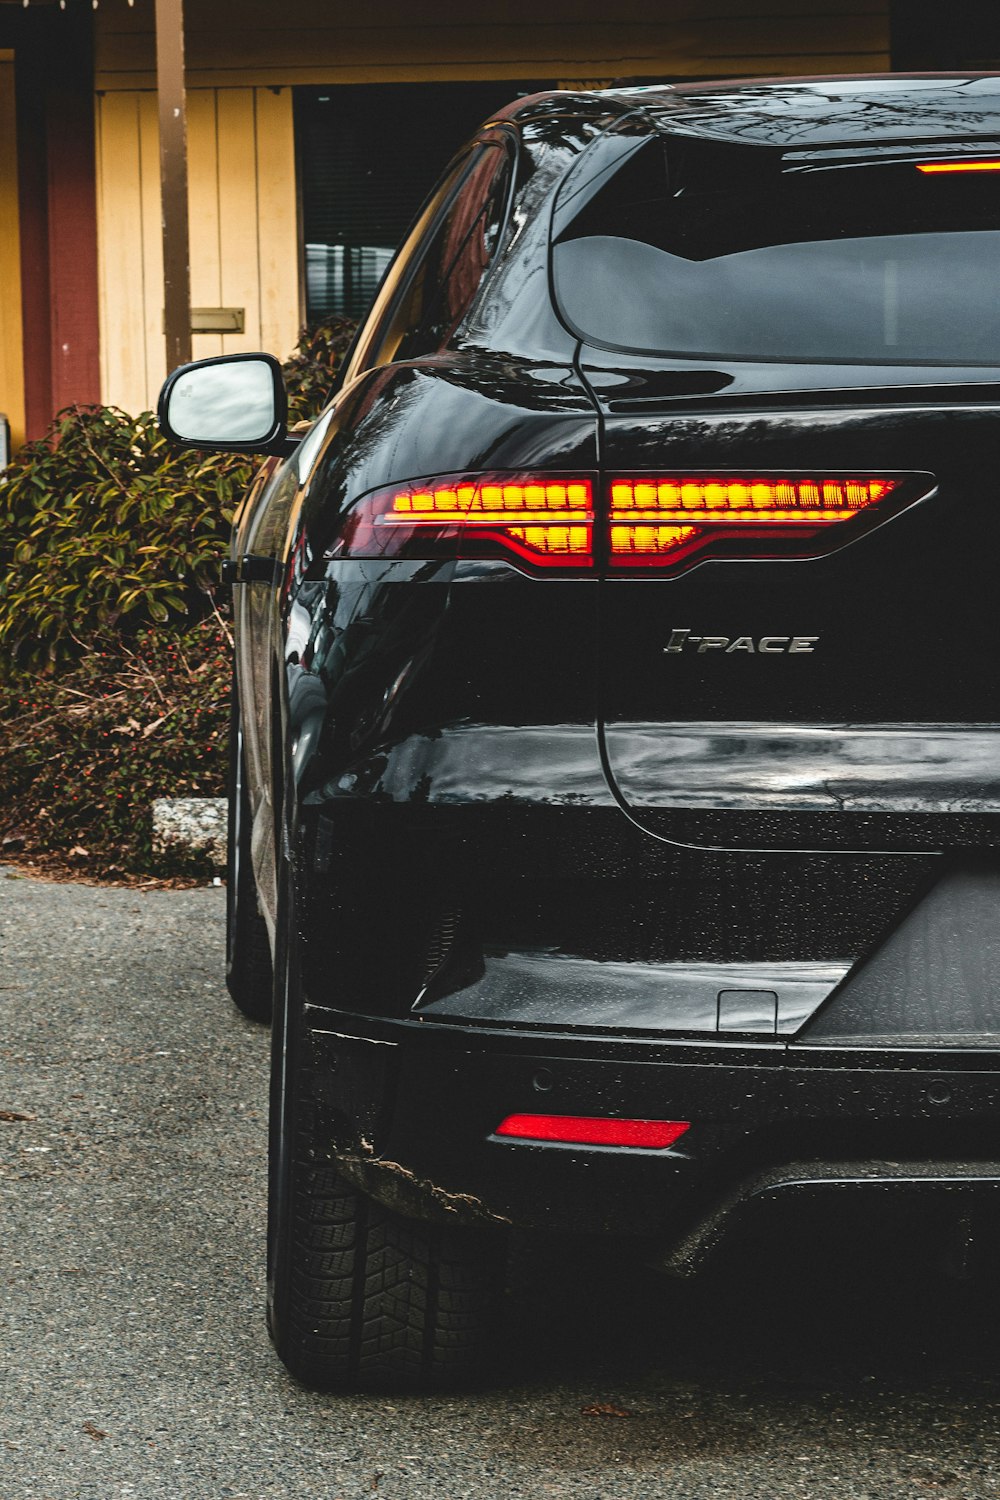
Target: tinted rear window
736,253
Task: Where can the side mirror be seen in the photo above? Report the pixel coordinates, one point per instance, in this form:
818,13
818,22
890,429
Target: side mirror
233,404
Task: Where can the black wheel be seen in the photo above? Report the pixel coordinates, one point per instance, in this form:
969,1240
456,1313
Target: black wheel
249,973
358,1295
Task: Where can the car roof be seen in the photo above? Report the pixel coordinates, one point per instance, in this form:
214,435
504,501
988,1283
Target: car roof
809,113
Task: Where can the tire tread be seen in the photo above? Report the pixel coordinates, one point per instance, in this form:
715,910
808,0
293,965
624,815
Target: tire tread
375,1300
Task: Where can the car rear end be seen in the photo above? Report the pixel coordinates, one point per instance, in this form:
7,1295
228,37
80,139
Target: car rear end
686,789
798,639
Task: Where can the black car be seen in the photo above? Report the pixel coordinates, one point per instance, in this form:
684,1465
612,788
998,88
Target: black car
617,746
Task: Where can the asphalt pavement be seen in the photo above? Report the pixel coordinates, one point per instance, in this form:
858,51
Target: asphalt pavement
134,1360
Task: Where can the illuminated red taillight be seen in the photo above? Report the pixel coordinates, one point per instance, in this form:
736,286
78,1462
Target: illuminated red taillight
958,166
548,520
584,1130
659,520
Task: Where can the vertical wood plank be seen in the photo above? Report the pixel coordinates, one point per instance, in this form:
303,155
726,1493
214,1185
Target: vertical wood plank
11,327
120,254
100,190
203,187
171,98
239,272
277,222
152,248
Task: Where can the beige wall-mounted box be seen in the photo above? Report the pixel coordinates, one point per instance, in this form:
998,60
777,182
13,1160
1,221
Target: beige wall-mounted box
215,320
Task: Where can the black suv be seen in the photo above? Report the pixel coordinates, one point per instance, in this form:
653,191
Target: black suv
616,767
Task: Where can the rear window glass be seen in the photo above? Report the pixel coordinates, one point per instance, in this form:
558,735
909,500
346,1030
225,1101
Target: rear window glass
734,253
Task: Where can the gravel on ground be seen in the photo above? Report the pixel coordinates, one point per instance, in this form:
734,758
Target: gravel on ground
134,1361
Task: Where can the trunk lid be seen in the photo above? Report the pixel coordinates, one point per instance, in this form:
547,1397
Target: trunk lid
847,701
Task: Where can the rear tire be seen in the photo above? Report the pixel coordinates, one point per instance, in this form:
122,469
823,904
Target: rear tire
358,1295
249,973
369,1299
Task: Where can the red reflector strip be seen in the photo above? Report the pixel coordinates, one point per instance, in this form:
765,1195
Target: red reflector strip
958,166
581,1130
655,516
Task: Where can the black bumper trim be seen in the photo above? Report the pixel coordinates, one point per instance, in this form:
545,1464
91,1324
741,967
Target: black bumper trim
804,1180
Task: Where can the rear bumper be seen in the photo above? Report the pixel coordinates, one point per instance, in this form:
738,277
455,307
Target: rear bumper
869,1191
413,1109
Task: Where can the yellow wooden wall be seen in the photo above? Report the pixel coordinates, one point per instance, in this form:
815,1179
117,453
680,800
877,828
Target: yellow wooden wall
244,56
329,41
243,228
11,332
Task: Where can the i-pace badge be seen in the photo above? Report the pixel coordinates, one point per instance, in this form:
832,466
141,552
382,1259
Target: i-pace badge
764,645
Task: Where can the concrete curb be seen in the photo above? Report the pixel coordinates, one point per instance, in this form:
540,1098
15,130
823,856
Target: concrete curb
195,824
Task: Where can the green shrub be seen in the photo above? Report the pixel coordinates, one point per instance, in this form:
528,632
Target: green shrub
115,656
312,369
84,751
110,546
104,527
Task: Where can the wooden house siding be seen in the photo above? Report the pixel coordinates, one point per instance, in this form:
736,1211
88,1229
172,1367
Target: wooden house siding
244,240
244,56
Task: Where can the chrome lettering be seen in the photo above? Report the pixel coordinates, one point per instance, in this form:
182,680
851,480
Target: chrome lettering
767,645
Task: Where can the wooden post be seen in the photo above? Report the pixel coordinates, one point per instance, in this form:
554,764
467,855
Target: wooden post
174,180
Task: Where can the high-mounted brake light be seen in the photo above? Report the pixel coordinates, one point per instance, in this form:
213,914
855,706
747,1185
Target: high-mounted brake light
546,520
585,1130
958,166
661,520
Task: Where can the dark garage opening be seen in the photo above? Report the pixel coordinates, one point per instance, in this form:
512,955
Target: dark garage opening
368,156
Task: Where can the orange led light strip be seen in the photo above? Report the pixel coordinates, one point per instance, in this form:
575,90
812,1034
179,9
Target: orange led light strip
548,520
958,166
552,517
565,502
651,517
709,500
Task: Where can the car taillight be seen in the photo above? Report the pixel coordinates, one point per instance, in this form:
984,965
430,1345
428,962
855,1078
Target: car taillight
988,165
662,520
546,520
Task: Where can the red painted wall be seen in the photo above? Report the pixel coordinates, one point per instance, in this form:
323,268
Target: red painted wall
53,59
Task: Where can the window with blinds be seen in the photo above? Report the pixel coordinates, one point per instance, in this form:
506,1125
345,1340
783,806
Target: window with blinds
369,154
